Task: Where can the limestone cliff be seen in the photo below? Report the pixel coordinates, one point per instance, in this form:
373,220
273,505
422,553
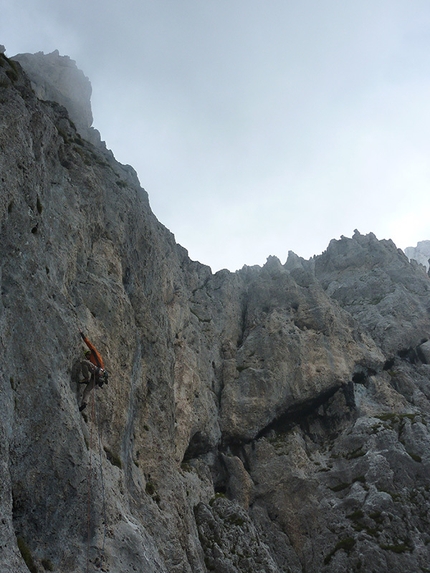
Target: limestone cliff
269,420
420,253
57,78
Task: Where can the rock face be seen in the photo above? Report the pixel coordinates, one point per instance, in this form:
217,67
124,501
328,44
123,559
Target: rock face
420,253
57,78
275,419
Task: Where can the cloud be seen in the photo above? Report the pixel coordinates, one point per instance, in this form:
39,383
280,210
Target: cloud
256,128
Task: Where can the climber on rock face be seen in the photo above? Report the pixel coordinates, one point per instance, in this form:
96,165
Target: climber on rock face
93,370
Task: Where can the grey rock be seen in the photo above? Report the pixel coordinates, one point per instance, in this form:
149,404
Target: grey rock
296,347
375,283
57,78
272,419
230,541
424,351
420,253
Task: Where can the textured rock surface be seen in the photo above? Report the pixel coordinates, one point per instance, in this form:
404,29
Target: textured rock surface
420,253
274,419
57,78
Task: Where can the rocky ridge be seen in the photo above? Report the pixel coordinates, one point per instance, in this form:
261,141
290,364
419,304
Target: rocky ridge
420,253
57,78
274,419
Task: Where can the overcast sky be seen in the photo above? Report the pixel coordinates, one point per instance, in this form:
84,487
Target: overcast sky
256,126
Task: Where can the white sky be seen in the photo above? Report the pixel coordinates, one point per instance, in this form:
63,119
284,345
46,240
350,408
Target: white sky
256,126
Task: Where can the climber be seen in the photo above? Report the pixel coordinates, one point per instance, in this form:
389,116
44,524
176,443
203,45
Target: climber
93,370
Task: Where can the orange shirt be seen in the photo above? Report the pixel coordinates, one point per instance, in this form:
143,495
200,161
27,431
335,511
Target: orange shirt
95,357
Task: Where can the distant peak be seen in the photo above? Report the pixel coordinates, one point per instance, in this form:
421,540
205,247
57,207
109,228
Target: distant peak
420,253
57,78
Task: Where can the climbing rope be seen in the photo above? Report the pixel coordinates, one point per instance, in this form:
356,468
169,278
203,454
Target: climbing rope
102,482
95,419
89,480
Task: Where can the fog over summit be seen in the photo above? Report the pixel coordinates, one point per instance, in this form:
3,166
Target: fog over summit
256,129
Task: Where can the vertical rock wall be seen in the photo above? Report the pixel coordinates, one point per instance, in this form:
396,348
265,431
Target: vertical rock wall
273,419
